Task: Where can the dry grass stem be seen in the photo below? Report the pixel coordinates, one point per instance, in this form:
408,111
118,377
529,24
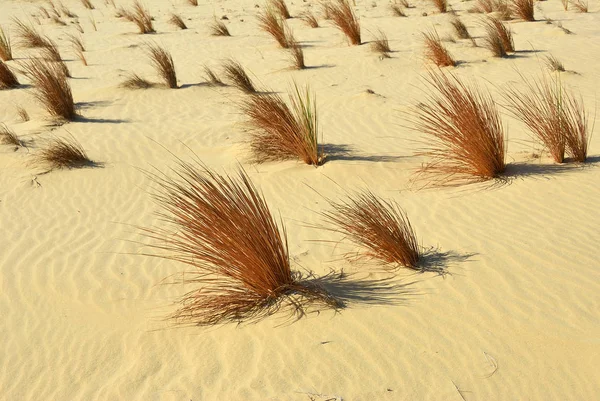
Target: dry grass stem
269,22
309,19
8,79
523,9
581,6
554,64
221,226
141,17
436,52
163,64
218,28
380,44
27,35
177,21
211,77
134,81
397,10
9,137
22,113
460,29
440,5
236,74
5,46
87,4
63,153
280,7
76,42
296,52
498,37
345,20
193,2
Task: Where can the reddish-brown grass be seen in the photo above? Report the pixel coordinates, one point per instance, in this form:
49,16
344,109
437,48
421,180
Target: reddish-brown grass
163,64
345,20
380,43
581,6
460,29
9,137
27,36
62,153
50,52
221,226
177,21
134,81
397,10
523,9
309,19
141,17
498,37
211,77
5,46
193,2
87,4
7,77
269,22
218,28
440,5
296,52
436,52
379,226
281,8
76,42
465,130
236,74
553,114
281,132
51,86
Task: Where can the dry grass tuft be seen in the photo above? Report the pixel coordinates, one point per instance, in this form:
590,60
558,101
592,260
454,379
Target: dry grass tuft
81,57
282,132
22,113
27,35
581,6
163,63
554,116
345,20
498,37
43,12
379,226
269,22
51,86
211,77
309,19
236,74
554,64
65,11
218,28
221,226
500,7
280,7
380,44
8,79
58,21
5,46
141,17
397,10
88,4
296,52
50,52
523,9
76,42
9,137
460,29
177,21
441,5
467,137
134,81
436,52
193,2
63,153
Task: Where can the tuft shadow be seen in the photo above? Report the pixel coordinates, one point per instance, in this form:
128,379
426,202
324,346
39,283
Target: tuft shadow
436,261
89,105
315,67
81,119
199,85
344,152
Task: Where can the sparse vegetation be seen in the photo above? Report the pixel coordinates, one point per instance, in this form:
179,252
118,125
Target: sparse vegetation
22,113
309,19
380,44
62,153
280,7
177,21
211,77
436,52
554,64
218,28
134,81
498,37
163,63
87,4
5,46
440,5
397,10
8,79
236,74
581,6
343,17
141,17
28,36
523,9
9,137
269,22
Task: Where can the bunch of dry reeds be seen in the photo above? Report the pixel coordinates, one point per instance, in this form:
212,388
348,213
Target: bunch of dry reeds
380,43
581,6
211,77
141,17
87,4
176,20
465,130
498,37
62,153
5,46
379,226
22,113
296,52
236,74
51,86
397,10
218,28
221,227
163,63
50,52
281,132
134,81
460,29
27,36
272,24
309,19
280,7
7,77
501,7
554,116
523,9
343,17
9,137
553,63
436,52
440,5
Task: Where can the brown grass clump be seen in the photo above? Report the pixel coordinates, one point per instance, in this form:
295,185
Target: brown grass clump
221,226
9,137
436,52
379,226
76,42
177,21
554,64
467,137
309,19
523,9
134,81
554,116
296,52
281,132
218,28
281,8
51,86
581,6
500,7
5,46
193,2
236,74
498,37
441,5
397,10
163,63
345,20
50,52
22,113
58,21
8,79
43,12
87,4
65,11
211,77
63,153
380,44
460,29
269,22
141,17
81,57
28,36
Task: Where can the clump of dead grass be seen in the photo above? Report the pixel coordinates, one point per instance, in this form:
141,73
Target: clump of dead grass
460,29
553,63
523,9
436,52
309,19
163,64
397,10
134,81
218,28
88,4
63,153
238,77
272,24
176,20
27,36
380,44
581,6
280,7
5,46
22,113
498,37
211,77
343,17
296,52
141,17
8,79
9,137
440,5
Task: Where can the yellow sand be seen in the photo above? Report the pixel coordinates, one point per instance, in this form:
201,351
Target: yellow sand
81,313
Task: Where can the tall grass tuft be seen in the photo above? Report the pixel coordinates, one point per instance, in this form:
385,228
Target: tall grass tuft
581,6
460,29
498,37
281,8
163,64
176,20
523,9
281,131
269,22
553,63
5,46
379,226
236,74
296,52
63,153
380,44
436,52
211,77
134,81
9,137
309,19
221,226
51,87
141,17
345,20
218,28
465,130
397,10
27,35
8,79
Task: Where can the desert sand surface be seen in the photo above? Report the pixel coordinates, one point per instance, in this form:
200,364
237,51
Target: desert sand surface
515,317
